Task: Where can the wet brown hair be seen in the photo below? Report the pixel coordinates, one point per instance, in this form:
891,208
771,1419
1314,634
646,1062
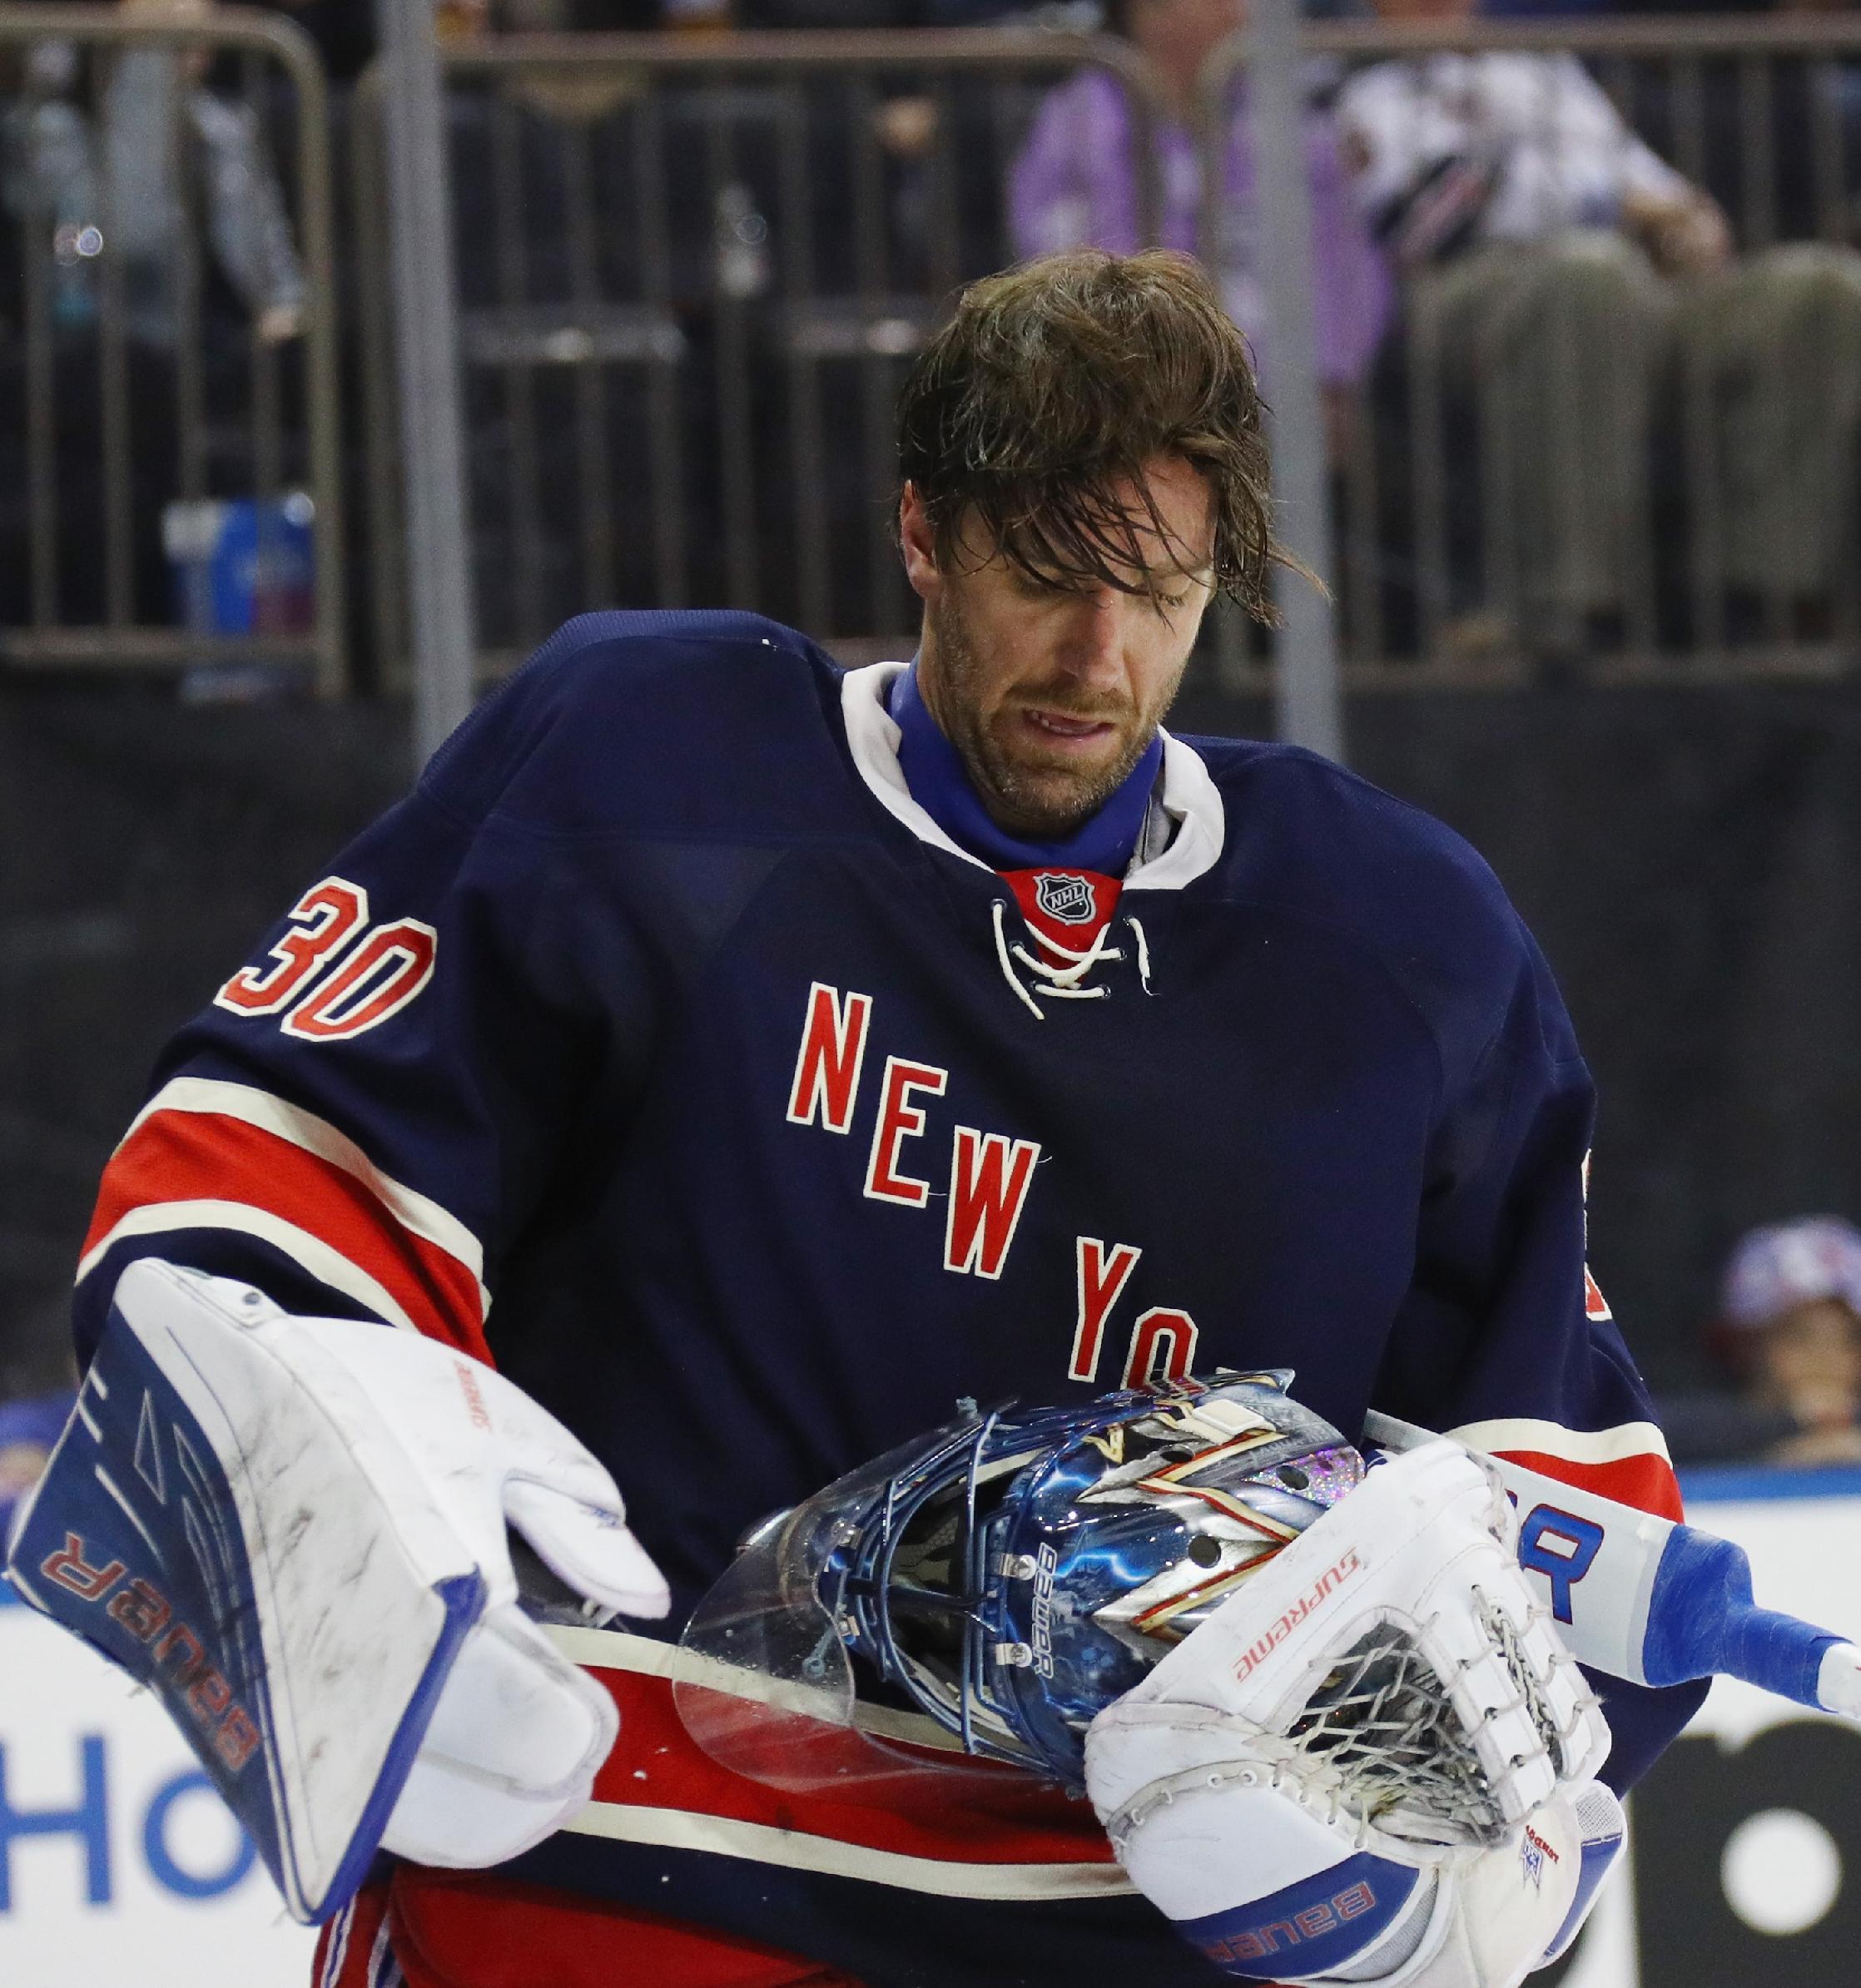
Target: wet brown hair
1057,380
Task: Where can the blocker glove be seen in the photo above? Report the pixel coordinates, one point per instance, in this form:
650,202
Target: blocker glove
1375,1762
294,1529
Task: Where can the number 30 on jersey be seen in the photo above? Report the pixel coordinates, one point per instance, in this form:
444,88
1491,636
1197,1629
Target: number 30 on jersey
334,975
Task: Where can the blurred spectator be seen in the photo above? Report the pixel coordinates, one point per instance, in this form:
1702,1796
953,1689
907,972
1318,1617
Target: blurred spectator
51,290
162,128
1790,1334
1075,183
48,173
1527,220
148,194
125,191
1537,233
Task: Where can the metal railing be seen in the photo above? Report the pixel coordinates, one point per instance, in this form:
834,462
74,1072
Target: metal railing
169,410
691,275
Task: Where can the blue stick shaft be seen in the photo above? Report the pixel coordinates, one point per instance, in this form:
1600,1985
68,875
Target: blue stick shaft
1701,1618
1778,1652
1702,1621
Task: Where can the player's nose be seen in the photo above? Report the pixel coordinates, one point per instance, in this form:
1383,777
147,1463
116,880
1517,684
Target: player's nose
1094,646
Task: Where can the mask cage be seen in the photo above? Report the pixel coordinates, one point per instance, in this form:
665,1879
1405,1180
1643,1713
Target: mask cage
922,1598
932,1641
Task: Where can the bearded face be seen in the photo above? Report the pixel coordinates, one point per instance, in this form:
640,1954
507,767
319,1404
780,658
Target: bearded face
1051,693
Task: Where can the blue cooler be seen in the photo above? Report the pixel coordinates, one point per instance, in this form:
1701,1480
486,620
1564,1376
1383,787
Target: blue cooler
243,566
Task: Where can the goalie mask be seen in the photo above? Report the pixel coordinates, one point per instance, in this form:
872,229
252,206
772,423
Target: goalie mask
989,1588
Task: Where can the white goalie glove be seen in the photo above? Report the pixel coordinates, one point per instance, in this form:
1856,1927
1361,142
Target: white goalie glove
295,1531
1374,1764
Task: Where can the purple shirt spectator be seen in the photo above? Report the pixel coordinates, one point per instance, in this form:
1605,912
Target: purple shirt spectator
1074,185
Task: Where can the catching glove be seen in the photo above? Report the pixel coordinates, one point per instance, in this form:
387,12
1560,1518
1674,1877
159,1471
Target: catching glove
1374,1763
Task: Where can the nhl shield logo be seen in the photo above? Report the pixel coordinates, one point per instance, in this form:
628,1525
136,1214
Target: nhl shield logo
1068,898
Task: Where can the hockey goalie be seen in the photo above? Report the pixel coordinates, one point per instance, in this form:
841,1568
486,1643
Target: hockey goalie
1328,1731
723,1063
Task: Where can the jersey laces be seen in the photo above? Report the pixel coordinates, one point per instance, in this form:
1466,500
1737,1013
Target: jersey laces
1063,976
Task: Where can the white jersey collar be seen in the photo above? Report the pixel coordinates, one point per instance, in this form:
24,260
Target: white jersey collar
1189,796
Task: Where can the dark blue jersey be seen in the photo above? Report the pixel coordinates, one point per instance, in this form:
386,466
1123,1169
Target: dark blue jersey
663,1049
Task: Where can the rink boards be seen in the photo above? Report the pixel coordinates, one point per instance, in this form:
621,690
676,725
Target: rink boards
117,1862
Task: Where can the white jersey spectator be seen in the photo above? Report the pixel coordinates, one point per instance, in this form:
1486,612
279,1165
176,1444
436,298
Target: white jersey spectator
1494,148
1570,303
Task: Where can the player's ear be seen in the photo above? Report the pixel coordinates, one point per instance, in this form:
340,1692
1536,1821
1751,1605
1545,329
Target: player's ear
918,542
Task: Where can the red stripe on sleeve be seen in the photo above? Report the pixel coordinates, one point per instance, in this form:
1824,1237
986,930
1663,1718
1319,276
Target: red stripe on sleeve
1646,1481
200,1156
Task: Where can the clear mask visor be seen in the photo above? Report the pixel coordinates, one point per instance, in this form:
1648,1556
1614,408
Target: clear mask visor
768,1689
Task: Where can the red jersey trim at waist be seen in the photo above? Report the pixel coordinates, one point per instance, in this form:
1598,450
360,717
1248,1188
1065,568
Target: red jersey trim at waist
1004,1838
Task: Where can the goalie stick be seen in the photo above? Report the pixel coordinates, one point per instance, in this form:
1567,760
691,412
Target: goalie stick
1656,1602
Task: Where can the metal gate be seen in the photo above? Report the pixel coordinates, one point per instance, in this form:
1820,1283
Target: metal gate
169,418
690,278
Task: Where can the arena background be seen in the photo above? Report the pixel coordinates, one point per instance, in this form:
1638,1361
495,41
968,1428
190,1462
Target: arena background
681,273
